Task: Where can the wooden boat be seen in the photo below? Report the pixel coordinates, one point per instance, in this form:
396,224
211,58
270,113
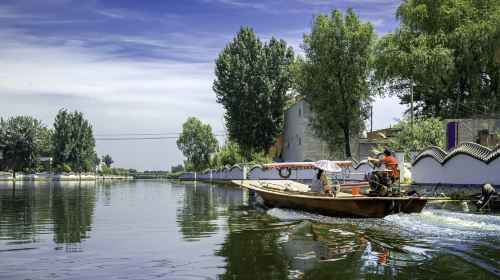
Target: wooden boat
294,195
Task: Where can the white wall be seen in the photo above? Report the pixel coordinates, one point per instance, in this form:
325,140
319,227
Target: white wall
358,174
236,173
6,175
460,169
257,173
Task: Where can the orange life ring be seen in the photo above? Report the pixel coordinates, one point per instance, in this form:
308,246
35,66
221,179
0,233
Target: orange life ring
285,176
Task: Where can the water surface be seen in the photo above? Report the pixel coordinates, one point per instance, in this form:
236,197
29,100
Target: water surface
177,230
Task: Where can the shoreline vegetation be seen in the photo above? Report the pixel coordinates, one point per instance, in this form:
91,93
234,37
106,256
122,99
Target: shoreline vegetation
45,176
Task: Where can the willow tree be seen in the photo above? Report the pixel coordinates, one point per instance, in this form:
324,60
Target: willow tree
252,80
450,49
333,77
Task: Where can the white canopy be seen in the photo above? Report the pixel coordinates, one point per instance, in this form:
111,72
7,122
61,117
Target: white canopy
327,165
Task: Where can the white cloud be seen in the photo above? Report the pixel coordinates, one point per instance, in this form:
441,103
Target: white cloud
116,93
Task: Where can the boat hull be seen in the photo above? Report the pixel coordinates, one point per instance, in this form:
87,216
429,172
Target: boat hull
350,206
355,207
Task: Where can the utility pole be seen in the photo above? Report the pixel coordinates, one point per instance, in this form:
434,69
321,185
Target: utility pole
411,110
411,103
371,118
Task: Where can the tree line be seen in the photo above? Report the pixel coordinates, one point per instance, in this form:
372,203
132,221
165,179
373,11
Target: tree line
24,140
446,51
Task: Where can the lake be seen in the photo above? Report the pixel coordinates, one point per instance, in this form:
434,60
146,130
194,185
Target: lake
186,230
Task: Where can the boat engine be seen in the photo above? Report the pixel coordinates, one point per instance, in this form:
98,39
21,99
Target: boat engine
487,191
382,184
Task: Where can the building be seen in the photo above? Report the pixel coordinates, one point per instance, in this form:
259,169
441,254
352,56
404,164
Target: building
481,131
374,140
299,142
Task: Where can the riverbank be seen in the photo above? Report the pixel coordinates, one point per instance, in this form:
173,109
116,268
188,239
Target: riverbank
19,176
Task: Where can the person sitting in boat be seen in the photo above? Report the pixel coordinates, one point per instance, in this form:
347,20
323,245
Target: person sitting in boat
390,162
320,183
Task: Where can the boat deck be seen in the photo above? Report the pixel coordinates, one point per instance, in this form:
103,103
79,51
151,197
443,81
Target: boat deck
292,188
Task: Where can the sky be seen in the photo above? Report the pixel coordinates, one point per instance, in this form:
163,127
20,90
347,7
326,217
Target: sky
144,67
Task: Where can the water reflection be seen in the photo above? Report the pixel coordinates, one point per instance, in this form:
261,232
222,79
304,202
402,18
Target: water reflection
399,246
148,229
29,209
251,247
204,208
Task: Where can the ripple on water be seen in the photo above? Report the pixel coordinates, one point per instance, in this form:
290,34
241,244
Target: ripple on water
430,223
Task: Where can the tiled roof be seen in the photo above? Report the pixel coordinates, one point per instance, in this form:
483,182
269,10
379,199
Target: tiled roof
474,150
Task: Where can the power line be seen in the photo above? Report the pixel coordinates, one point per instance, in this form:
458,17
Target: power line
145,138
146,134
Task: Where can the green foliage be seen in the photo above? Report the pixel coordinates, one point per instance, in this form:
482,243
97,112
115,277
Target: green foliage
21,144
177,169
333,77
107,160
426,132
450,48
197,142
228,155
105,169
73,142
252,80
260,158
46,142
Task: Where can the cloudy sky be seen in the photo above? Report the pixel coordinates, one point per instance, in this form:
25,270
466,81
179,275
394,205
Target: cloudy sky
144,67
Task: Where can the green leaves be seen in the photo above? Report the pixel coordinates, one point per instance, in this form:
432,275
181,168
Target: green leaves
426,132
252,80
73,141
228,155
21,144
197,142
333,77
450,50
107,160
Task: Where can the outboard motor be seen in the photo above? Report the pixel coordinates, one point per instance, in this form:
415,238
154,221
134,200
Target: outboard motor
381,183
487,191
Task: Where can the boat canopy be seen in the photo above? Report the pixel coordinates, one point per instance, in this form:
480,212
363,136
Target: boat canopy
326,165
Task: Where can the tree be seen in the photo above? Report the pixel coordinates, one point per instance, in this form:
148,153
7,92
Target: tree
107,160
251,83
333,77
228,155
46,148
73,141
197,142
426,132
20,143
450,50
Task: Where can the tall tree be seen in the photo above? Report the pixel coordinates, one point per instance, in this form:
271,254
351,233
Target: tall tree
450,49
333,77
197,142
20,143
252,80
107,160
73,142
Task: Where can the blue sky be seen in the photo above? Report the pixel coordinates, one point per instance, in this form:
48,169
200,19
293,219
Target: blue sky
144,66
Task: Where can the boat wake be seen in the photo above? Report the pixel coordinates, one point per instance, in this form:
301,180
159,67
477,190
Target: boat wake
430,223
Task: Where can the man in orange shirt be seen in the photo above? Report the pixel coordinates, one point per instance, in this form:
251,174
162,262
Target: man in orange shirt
390,162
